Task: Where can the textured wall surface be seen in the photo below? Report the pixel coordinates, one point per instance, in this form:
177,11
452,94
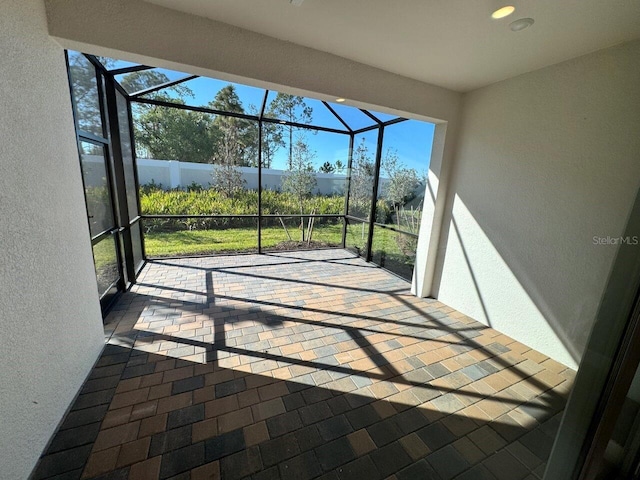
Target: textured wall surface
50,322
546,162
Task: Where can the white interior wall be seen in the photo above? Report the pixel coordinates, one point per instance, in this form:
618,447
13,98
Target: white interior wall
545,162
50,321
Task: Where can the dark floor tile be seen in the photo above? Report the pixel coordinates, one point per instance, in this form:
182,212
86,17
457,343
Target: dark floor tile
187,384
362,417
84,417
285,423
241,464
539,443
359,469
98,384
293,401
356,400
73,475
181,476
410,420
507,428
223,445
551,426
120,474
420,470
271,473
181,460
315,413
225,389
339,405
113,359
334,454
170,440
302,467
316,394
384,432
185,416
139,370
390,459
308,438
504,466
74,437
479,472
279,449
294,386
333,475
334,427
447,462
538,411
93,399
101,372
62,462
436,436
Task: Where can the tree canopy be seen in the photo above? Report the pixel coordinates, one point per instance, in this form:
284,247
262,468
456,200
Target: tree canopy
291,108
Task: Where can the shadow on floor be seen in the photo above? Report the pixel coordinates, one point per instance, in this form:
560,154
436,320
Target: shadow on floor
219,372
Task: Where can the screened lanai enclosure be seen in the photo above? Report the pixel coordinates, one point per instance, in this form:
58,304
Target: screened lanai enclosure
176,165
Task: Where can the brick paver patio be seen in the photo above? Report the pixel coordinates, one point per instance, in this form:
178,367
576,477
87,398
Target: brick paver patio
304,365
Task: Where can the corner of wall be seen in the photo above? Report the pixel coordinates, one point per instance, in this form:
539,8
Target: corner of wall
49,310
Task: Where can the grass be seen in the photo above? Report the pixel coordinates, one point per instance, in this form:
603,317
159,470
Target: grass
202,242
104,255
386,251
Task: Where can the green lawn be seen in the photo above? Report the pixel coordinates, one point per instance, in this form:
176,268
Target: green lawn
386,250
104,255
200,242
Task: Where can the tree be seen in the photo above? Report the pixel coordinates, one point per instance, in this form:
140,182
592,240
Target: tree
290,108
227,178
233,142
361,187
137,81
170,133
236,139
326,168
401,188
271,139
174,134
85,93
300,179
402,181
339,166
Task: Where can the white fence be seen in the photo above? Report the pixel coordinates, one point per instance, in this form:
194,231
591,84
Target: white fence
174,174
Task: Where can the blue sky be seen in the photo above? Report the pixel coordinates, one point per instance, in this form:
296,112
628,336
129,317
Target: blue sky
411,139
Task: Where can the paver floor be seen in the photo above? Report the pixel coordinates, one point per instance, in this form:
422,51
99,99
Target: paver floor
304,365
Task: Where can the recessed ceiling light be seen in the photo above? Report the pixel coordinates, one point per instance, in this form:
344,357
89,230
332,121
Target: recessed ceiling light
503,12
340,100
521,24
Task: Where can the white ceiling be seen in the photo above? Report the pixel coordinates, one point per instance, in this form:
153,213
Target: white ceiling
450,43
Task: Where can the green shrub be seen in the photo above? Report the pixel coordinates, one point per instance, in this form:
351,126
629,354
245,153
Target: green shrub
155,201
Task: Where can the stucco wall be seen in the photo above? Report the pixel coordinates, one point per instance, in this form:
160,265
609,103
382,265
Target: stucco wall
50,322
545,162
